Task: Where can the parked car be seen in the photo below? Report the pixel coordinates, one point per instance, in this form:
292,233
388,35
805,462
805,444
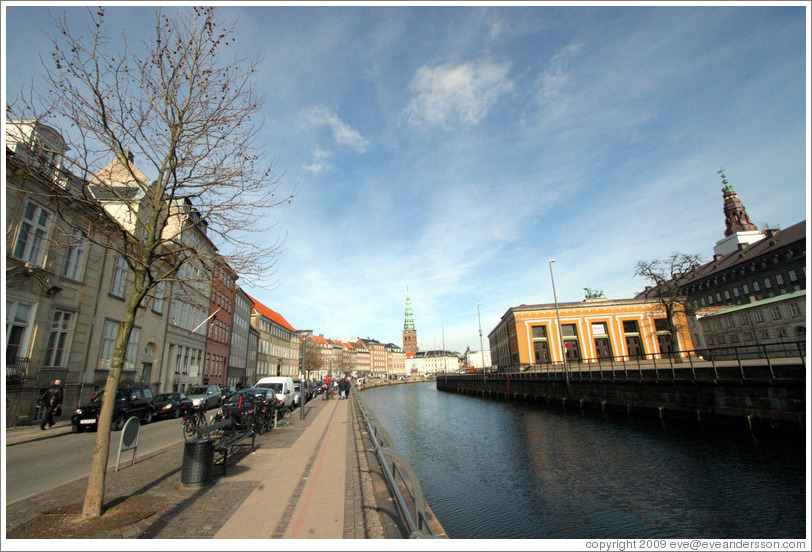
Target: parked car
297,395
130,401
208,395
239,406
227,391
170,405
282,386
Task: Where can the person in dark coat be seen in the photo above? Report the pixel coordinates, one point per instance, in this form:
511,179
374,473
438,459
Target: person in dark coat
51,400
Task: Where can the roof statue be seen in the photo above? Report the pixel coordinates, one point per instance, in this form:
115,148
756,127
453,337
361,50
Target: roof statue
594,293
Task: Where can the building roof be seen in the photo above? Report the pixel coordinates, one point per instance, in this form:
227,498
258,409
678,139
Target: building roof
772,242
762,302
270,314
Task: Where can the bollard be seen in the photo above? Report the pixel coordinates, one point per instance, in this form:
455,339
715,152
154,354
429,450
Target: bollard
198,463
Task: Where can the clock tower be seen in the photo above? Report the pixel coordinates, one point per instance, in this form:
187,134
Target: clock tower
409,333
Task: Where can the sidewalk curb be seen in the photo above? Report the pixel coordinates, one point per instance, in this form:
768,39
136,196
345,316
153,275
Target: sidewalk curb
33,433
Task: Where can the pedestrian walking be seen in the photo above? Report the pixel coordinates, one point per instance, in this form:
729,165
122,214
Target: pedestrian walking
342,388
52,402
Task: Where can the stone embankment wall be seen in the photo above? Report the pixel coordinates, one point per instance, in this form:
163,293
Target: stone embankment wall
763,401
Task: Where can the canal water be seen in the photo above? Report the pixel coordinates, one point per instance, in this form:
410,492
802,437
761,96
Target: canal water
494,469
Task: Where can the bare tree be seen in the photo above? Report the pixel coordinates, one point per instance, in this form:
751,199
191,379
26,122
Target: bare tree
667,276
313,357
185,109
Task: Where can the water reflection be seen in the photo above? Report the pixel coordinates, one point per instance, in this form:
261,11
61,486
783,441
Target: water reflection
495,469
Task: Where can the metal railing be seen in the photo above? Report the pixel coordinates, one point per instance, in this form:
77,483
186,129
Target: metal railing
399,476
744,359
16,369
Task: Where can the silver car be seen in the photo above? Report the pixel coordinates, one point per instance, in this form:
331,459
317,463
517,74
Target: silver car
210,395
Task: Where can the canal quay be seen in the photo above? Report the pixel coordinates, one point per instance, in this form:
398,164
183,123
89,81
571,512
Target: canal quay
498,465
315,477
767,392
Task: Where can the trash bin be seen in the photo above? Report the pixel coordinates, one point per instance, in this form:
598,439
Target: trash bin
198,463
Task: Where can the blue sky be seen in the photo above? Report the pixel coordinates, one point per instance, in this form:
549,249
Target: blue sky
455,150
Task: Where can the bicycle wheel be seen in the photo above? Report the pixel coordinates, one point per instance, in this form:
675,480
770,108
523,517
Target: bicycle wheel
189,429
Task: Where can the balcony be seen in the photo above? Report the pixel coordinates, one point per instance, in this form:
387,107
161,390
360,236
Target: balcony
16,370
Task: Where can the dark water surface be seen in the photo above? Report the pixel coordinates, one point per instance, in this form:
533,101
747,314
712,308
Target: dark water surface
492,469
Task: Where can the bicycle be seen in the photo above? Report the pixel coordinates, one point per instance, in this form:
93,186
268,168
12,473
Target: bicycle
193,419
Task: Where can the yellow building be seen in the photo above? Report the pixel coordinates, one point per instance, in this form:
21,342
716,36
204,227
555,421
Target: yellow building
594,329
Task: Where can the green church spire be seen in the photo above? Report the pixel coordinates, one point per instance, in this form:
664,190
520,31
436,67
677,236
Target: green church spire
408,324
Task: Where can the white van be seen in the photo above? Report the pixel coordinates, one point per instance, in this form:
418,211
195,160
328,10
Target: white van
282,386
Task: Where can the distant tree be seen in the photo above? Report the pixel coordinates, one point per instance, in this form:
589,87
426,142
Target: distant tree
313,360
666,276
184,109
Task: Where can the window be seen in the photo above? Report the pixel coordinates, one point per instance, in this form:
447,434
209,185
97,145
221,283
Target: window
19,321
539,332
730,322
119,277
132,349
735,292
794,309
776,312
568,330
759,316
744,320
58,339
108,342
767,283
727,295
756,287
158,301
661,324
74,265
793,276
734,338
745,289
779,279
34,228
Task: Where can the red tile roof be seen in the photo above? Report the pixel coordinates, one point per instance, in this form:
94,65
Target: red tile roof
270,314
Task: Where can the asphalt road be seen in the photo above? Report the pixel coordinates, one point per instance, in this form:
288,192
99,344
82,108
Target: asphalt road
37,466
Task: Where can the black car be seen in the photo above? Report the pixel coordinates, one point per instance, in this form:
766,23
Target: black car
226,391
238,406
130,401
170,405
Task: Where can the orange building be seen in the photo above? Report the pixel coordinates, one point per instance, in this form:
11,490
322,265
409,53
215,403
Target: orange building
592,329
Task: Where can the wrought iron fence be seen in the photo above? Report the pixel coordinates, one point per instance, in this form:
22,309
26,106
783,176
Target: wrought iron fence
16,370
742,359
399,476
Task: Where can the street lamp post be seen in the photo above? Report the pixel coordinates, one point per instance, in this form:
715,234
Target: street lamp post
481,348
303,334
560,334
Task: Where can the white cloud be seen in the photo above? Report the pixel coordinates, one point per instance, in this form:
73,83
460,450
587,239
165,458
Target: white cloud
343,134
320,162
457,95
552,84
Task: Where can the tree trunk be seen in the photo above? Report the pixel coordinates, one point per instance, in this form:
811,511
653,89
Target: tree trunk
672,326
94,494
